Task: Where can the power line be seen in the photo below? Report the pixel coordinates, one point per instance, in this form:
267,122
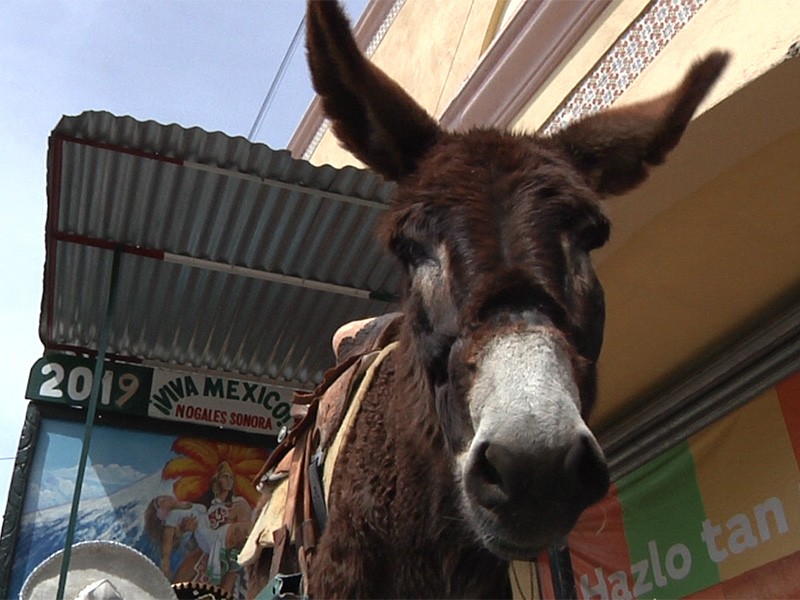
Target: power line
276,81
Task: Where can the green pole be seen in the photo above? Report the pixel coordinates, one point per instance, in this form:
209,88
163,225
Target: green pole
90,415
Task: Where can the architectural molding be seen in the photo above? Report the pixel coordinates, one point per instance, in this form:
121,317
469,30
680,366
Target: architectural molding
537,39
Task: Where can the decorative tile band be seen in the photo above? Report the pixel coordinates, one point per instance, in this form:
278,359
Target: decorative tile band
370,50
387,22
647,36
324,126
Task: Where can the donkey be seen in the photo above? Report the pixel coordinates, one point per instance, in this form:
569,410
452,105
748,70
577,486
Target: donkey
471,447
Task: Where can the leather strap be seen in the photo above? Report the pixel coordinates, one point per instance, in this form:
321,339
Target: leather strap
317,490
283,536
308,534
280,541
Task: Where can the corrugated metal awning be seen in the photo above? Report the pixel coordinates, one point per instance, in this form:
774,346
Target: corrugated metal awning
237,258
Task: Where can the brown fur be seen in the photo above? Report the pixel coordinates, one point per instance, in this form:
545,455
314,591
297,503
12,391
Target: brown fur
494,232
395,530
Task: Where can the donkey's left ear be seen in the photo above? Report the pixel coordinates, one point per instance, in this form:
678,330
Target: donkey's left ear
615,148
371,115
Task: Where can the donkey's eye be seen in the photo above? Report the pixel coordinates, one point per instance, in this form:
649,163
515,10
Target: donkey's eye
592,233
411,252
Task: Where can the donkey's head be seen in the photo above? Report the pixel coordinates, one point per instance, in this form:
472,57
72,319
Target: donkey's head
494,231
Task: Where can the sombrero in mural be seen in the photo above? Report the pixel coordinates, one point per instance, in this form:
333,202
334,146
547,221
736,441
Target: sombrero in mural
99,570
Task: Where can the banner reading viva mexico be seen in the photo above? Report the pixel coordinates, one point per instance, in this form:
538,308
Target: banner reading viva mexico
133,389
718,516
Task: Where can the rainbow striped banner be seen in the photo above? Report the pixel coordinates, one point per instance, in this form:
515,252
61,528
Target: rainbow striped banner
717,516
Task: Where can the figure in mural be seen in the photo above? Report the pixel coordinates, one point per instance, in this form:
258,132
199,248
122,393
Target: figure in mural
216,477
168,519
223,507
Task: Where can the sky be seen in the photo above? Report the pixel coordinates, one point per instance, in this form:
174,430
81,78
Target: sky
206,63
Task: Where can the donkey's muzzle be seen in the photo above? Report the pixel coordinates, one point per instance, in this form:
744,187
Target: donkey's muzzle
506,480
530,500
533,465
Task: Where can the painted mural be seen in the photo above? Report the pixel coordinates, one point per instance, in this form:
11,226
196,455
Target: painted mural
185,502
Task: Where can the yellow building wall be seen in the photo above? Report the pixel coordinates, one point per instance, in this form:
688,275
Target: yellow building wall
431,48
758,34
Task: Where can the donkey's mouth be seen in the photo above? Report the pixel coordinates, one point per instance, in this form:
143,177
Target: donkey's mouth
510,551
522,539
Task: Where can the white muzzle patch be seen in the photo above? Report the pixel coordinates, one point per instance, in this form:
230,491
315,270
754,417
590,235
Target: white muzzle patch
533,465
524,392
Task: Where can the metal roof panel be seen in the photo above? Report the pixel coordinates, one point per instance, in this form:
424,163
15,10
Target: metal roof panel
237,257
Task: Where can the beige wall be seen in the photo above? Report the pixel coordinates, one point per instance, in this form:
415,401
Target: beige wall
758,33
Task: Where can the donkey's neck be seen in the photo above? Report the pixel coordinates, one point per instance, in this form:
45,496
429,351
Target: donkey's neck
428,524
395,528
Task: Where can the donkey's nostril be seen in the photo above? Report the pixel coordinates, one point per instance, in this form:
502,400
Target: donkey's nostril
586,461
485,477
488,470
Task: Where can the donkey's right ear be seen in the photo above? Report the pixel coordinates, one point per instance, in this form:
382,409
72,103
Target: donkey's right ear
371,115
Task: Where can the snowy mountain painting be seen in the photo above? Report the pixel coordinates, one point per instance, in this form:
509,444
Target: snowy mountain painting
119,517
122,476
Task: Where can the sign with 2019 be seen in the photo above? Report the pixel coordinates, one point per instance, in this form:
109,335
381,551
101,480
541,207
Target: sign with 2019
221,402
